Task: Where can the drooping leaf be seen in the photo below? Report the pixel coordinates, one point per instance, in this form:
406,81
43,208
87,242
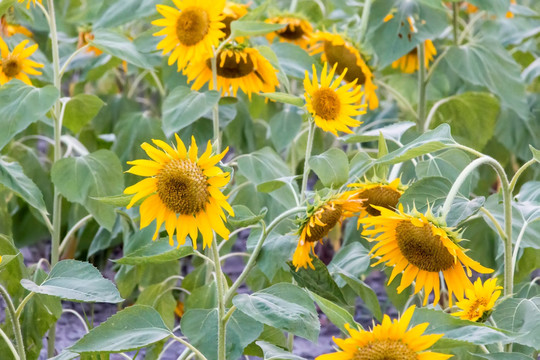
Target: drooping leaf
335,313
13,177
80,110
366,293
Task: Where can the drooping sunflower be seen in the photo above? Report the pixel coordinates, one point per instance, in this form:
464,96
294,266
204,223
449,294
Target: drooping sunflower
480,300
30,1
390,340
238,67
16,64
182,191
298,30
191,30
320,219
331,105
7,29
85,36
409,63
232,12
378,193
422,248
336,49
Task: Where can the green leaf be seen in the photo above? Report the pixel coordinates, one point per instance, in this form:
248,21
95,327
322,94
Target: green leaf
366,293
13,177
536,153
447,164
21,106
392,132
284,126
116,200
274,254
253,28
184,106
352,259
335,313
5,5
13,270
160,297
80,110
503,356
155,252
120,46
294,60
285,98
119,13
272,352
80,179
332,167
498,7
76,281
132,328
472,116
283,306
244,217
521,316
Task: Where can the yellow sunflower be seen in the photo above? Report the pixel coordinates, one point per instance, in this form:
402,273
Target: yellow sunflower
318,223
298,30
30,1
331,105
378,193
238,67
480,300
181,191
409,63
422,248
191,30
7,29
390,340
336,49
85,37
232,12
15,64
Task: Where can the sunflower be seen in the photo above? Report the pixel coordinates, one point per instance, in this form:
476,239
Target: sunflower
15,64
237,68
332,106
232,12
336,49
378,193
85,36
181,191
480,300
421,247
7,29
298,30
191,30
30,1
389,340
409,63
471,9
318,223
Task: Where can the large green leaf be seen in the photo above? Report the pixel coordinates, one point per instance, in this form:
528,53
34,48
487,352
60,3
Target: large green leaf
80,110
521,316
272,352
499,7
335,313
13,177
332,167
284,126
21,106
120,46
76,281
503,356
95,175
121,12
184,106
253,28
158,251
283,306
293,59
284,98
274,254
132,328
352,259
366,293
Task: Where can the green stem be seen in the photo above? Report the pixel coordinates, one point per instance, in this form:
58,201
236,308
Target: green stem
518,173
72,232
292,7
455,25
25,301
399,98
9,344
421,87
309,147
365,20
189,346
70,59
495,222
290,342
222,336
16,326
229,314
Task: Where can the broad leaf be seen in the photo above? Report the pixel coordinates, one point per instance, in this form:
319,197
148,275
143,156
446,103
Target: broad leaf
244,217
80,110
120,46
352,259
366,293
294,60
521,316
272,352
285,98
332,167
159,251
13,177
253,28
335,313
284,126
121,12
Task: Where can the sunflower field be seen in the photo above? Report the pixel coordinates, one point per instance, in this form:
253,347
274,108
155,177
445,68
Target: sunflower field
269,179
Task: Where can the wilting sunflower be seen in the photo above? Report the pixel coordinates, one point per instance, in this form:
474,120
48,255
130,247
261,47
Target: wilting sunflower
30,1
232,12
389,340
378,193
191,30
331,105
181,191
85,36
422,248
238,67
479,301
7,29
319,221
16,65
409,63
336,49
298,30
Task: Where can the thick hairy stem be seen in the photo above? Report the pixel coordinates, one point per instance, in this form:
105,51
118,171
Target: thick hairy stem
365,20
222,326
309,147
10,309
455,23
421,87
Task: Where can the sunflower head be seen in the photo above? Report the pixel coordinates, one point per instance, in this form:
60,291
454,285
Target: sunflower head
390,340
422,247
30,1
480,300
7,29
15,64
409,63
331,105
378,193
298,30
232,12
182,191
85,36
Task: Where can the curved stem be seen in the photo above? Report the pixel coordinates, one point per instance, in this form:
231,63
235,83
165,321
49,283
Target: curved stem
436,63
364,22
495,222
25,301
159,85
292,8
189,346
72,232
400,98
229,314
230,255
9,344
135,83
433,111
309,147
518,173
518,243
16,326
70,59
78,316
422,84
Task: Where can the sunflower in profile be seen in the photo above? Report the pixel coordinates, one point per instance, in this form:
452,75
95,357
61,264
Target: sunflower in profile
390,340
298,30
320,219
331,105
85,36
422,248
191,30
409,63
238,67
7,29
480,300
15,64
182,191
336,49
232,12
30,1
378,193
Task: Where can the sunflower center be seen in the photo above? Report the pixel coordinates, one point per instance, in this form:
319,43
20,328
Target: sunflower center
330,217
379,196
326,103
291,32
232,68
385,350
227,29
477,308
11,67
183,187
345,59
192,25
421,248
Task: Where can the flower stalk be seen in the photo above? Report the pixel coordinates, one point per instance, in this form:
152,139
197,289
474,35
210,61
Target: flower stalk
10,309
422,85
309,147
